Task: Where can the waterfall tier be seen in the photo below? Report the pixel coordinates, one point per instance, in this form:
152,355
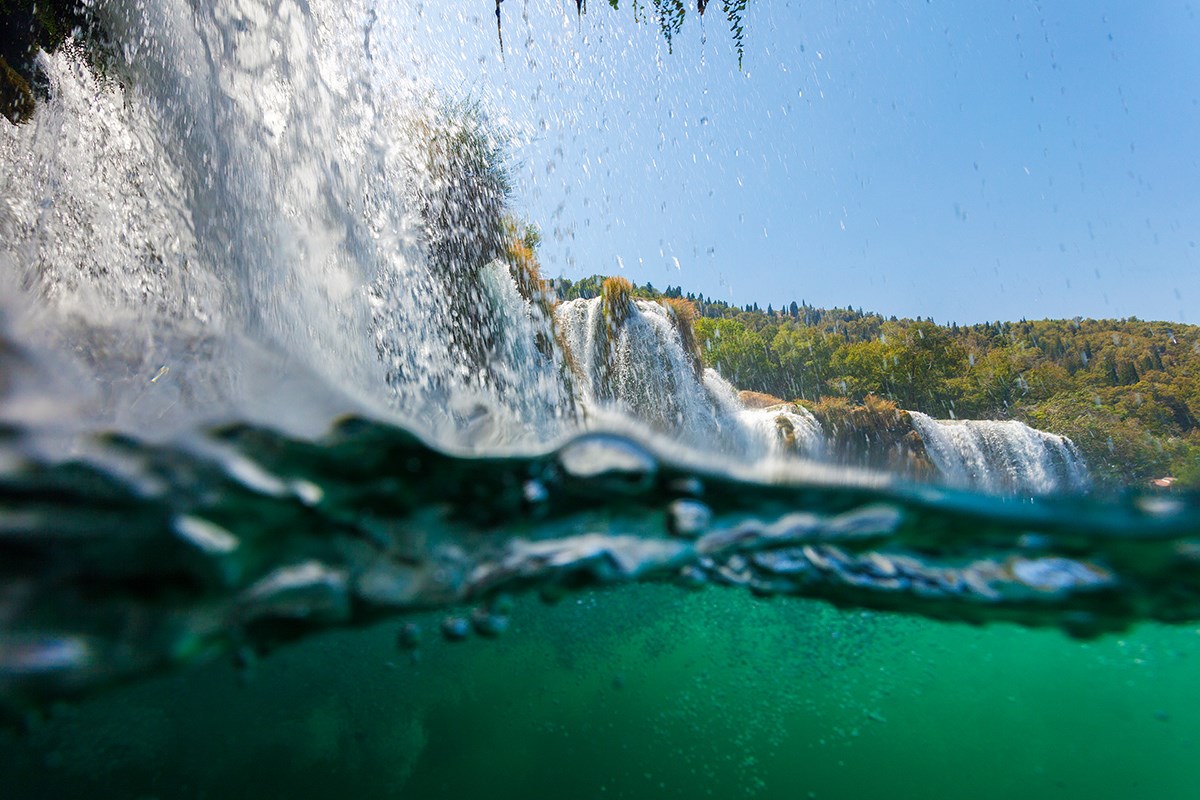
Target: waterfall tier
1007,456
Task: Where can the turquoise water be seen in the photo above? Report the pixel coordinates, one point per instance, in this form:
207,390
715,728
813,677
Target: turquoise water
247,614
651,692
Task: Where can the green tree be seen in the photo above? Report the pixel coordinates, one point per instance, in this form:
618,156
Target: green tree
805,358
740,355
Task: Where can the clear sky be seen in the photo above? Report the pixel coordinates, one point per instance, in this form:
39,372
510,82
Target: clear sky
964,161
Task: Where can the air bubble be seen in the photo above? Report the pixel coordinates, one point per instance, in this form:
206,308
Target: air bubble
455,629
688,518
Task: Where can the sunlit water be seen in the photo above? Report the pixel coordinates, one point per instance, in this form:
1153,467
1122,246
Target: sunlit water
275,443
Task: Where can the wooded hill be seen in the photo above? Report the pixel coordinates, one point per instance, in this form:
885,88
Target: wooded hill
1126,391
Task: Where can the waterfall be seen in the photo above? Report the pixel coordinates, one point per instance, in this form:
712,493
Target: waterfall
788,430
1006,456
229,223
637,366
233,221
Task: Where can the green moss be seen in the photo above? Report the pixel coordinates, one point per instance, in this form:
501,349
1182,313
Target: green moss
25,28
616,299
683,312
874,433
58,20
520,253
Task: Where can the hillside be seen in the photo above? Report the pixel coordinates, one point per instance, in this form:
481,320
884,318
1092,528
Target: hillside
1126,391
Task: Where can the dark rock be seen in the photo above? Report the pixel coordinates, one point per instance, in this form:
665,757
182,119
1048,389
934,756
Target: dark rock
16,98
25,28
18,34
409,636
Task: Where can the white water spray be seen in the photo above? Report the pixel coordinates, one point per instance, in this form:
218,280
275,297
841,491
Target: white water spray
1006,456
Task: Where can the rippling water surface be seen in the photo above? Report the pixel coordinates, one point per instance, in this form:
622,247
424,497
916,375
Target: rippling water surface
593,633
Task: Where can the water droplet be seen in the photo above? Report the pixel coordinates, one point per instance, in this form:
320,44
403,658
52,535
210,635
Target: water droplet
617,463
535,492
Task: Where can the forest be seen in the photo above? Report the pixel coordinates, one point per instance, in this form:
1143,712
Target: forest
1126,391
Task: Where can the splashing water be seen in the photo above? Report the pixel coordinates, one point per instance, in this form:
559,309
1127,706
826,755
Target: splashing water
791,429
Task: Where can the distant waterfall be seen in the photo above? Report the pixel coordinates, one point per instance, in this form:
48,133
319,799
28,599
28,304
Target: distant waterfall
786,430
1004,456
638,366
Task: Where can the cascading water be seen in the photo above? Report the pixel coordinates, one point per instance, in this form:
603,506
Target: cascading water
787,430
1001,456
233,222
635,364
235,217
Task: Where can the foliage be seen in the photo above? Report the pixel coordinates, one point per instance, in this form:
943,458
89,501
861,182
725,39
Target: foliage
739,354
669,15
16,98
759,399
874,432
616,297
684,315
521,241
520,253
734,11
26,27
465,186
805,359
873,416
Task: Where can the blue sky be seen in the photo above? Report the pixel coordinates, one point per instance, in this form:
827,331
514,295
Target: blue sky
965,161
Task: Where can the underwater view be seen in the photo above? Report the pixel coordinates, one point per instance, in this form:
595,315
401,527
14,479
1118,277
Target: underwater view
663,399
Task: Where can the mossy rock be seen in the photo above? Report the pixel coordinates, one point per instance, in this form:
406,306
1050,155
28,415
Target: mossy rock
759,400
684,314
465,187
16,98
58,19
616,298
18,28
26,27
876,434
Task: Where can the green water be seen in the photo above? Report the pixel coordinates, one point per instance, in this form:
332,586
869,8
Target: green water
650,691
132,573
